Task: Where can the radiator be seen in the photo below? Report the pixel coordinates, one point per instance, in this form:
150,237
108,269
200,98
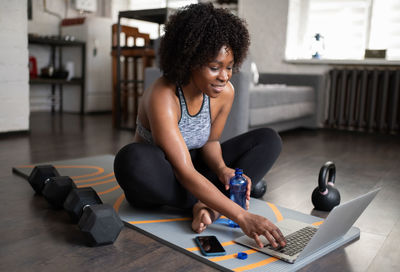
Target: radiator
364,99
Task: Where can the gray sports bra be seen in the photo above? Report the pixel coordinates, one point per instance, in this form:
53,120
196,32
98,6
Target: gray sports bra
195,129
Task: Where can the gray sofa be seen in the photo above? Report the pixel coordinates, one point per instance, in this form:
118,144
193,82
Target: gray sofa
279,101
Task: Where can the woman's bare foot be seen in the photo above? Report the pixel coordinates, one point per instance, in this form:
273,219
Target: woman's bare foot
202,217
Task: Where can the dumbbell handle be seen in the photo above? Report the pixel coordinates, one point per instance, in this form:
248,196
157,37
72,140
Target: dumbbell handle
50,178
46,181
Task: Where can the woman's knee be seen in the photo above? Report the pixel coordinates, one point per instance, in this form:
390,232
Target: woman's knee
133,160
268,137
123,160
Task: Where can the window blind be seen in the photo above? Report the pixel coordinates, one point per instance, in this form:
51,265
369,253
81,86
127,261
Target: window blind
342,23
385,27
348,27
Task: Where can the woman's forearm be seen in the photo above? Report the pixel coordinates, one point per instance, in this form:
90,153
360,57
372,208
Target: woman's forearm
212,155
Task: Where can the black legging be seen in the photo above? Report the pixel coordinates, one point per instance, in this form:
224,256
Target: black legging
148,179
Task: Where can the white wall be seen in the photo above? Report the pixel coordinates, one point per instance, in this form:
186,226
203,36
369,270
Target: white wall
44,23
14,73
267,23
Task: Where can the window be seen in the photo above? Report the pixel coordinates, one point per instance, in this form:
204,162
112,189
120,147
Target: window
347,27
147,27
385,27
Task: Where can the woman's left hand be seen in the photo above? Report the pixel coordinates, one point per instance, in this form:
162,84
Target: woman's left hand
226,173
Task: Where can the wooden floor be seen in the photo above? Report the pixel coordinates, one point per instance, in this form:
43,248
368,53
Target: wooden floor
34,237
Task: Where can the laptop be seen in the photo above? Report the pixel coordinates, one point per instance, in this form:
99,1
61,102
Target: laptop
304,239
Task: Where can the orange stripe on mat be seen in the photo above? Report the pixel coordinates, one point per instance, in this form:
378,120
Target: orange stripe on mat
161,220
277,213
96,178
109,190
97,183
318,223
255,265
99,171
228,243
231,256
118,202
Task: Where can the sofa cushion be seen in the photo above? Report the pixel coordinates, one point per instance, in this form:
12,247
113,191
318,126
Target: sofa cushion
265,95
280,113
277,103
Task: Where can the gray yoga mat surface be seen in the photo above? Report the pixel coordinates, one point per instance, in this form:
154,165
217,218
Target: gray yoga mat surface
173,227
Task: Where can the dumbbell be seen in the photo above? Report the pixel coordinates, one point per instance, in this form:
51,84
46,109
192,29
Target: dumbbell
99,223
46,181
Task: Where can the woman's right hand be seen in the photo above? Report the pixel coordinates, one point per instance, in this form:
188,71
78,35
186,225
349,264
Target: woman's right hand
255,226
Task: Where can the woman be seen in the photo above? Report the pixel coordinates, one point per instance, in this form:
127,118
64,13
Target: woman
177,159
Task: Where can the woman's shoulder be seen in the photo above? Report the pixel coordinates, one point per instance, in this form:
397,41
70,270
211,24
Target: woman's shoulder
225,99
229,92
162,85
162,91
230,88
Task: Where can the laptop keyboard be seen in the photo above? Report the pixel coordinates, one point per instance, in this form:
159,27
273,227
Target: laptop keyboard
296,241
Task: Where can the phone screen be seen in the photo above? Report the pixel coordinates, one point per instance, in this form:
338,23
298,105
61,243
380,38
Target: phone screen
210,246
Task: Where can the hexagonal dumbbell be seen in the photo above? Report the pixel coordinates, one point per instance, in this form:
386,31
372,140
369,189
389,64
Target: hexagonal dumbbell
99,222
39,174
46,180
56,190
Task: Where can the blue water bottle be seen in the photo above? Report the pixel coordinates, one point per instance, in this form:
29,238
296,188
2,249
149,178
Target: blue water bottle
237,191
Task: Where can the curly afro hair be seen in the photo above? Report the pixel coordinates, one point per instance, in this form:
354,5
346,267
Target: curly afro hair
193,37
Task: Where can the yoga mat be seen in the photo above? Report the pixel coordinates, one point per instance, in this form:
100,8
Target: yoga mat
173,226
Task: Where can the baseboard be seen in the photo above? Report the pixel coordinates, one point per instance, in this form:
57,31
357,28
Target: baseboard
8,134
99,112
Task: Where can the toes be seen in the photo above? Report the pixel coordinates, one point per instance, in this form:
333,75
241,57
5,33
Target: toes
201,222
201,228
206,220
202,217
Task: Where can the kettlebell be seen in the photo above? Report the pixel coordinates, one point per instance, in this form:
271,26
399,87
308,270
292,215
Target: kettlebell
326,196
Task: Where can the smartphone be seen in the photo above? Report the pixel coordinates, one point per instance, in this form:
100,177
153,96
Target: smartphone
210,246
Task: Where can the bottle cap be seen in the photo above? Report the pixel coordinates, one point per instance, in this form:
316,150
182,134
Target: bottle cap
233,224
242,255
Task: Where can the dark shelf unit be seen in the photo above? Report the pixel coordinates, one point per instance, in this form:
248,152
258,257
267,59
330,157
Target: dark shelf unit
54,43
45,80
